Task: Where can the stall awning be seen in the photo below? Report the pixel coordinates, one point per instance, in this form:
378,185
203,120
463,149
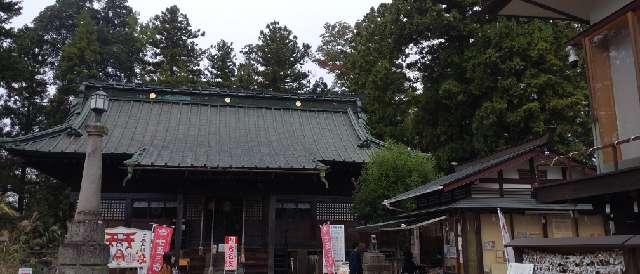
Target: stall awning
584,189
400,224
583,11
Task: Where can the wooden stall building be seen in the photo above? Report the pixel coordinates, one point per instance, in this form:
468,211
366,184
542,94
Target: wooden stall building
455,226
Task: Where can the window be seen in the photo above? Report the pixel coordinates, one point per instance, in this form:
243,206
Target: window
542,174
524,174
143,209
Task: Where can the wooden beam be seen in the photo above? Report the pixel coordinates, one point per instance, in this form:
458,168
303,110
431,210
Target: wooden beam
622,181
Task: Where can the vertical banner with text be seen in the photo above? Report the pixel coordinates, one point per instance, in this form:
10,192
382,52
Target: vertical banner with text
328,264
230,253
337,243
160,244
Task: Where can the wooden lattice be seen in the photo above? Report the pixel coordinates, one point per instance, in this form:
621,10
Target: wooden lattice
193,208
253,210
334,211
113,209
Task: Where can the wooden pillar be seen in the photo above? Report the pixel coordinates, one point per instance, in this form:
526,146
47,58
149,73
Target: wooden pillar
574,224
203,211
129,216
271,231
501,183
545,227
532,169
415,240
472,243
457,231
179,211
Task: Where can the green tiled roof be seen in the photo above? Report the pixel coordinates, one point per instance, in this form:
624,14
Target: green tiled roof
199,128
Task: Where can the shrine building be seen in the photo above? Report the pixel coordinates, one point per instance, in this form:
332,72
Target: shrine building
268,168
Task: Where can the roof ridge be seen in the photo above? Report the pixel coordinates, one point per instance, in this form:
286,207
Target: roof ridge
204,103
215,90
532,143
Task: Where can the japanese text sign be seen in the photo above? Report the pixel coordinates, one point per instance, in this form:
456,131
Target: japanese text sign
230,253
160,244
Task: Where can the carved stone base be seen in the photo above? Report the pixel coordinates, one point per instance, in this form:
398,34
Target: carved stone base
84,250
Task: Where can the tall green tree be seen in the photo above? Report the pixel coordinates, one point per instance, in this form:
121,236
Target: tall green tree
221,67
175,56
247,72
37,223
117,33
24,101
375,70
56,24
79,62
121,43
335,44
8,10
507,79
452,81
280,58
392,170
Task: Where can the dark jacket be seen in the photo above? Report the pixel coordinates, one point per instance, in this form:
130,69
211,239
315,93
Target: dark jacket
355,262
408,266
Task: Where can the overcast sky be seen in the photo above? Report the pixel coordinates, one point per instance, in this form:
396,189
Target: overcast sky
239,21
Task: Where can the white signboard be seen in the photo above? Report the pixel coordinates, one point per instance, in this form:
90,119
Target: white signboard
337,243
25,271
514,268
128,247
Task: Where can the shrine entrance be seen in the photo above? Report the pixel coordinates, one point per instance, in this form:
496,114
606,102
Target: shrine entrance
223,217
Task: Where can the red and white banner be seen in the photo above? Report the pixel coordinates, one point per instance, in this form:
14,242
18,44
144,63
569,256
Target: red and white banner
230,253
160,244
328,264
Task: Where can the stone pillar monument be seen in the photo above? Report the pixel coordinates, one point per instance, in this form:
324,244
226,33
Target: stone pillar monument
84,250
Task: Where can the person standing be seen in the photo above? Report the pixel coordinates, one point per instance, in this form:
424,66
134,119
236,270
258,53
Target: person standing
355,259
167,264
408,266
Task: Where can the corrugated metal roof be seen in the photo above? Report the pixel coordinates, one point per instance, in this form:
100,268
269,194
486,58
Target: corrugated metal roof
198,132
471,168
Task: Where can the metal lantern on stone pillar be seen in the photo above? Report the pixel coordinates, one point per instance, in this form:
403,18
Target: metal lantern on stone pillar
84,250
